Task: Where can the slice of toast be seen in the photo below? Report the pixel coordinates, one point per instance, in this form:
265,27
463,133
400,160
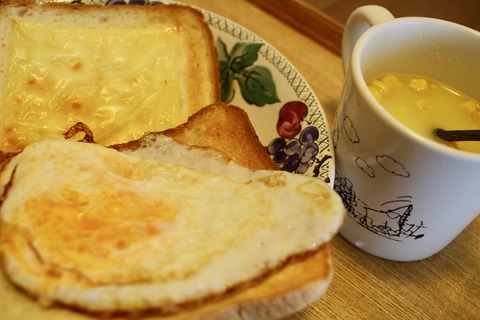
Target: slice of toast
225,128
286,290
123,70
282,291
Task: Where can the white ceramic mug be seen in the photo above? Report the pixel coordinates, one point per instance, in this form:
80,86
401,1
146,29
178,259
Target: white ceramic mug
407,197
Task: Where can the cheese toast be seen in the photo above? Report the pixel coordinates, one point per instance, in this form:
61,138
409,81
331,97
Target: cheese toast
123,70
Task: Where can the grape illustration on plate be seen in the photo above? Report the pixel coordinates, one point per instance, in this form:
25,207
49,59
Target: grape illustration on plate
295,149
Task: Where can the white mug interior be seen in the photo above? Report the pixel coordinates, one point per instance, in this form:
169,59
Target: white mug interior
442,50
439,49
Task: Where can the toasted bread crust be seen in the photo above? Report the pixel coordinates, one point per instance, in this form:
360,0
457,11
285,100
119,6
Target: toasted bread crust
285,291
226,128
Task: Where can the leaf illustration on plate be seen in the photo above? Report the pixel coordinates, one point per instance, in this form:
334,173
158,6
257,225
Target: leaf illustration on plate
257,86
244,55
226,76
255,82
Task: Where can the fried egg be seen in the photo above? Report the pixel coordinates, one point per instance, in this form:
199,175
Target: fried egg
103,231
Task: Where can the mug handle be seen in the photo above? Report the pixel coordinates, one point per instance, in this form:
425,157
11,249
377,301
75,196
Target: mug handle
359,21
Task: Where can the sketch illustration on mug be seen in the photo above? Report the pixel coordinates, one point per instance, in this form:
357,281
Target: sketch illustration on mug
350,130
389,219
393,166
362,164
392,222
386,162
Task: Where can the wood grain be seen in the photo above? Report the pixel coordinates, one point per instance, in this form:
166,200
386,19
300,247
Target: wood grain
465,12
302,16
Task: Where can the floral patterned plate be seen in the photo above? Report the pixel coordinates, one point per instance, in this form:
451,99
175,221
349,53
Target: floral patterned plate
284,111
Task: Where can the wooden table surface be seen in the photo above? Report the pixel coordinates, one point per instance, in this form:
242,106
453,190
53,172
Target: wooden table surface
445,286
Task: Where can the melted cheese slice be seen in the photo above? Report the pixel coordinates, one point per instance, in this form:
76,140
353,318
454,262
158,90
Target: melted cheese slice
122,82
104,231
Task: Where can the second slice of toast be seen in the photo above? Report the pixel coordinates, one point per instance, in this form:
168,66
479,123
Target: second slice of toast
225,128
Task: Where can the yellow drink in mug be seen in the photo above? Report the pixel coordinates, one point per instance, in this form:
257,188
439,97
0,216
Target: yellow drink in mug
424,104
406,196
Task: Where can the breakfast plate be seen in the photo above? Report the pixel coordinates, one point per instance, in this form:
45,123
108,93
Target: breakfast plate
285,112
119,210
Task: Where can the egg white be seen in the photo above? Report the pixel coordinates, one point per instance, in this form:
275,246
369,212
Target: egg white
106,231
